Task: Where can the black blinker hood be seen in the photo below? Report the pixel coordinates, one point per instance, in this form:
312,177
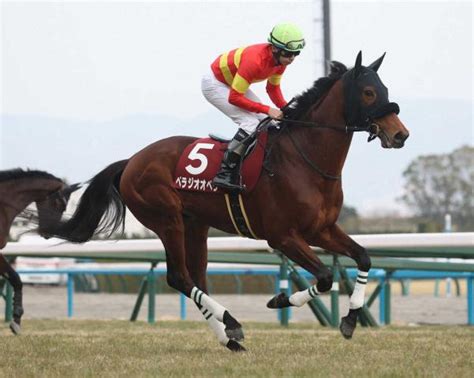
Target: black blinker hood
357,115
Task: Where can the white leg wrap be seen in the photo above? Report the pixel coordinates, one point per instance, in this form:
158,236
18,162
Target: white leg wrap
217,327
299,298
357,297
202,299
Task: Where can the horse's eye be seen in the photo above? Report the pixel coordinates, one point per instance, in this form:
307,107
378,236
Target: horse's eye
369,93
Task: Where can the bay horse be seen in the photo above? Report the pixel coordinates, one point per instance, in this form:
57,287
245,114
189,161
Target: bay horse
294,205
18,189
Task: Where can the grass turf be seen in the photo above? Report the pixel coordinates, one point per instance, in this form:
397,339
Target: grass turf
71,348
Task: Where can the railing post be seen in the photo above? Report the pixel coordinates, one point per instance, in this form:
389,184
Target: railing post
405,283
151,293
436,288
458,287
374,294
70,295
8,302
335,294
182,302
388,299
284,288
382,300
449,282
238,283
470,300
138,303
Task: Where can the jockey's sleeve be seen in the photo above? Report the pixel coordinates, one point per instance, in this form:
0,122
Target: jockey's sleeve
274,91
237,96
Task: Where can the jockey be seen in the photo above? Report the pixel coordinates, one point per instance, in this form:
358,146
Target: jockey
227,88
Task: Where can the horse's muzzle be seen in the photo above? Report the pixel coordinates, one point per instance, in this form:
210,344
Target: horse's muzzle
399,139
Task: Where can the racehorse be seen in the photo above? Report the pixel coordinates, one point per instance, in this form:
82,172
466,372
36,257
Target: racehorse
294,205
18,189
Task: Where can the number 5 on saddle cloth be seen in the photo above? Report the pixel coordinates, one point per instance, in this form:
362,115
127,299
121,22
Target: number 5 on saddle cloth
201,160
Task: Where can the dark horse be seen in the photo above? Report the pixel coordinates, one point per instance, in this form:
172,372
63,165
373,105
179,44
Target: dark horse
294,205
18,189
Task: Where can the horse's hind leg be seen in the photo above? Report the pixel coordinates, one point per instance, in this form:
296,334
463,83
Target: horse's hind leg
196,262
162,213
172,235
9,273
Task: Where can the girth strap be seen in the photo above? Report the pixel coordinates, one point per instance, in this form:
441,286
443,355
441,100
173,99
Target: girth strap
238,216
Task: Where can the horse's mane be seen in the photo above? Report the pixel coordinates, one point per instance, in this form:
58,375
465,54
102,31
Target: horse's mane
17,174
309,97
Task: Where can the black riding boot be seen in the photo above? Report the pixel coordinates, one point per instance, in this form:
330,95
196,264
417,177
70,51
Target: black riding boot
228,177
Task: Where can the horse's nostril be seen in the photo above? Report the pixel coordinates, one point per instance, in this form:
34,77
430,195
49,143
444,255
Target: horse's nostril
400,137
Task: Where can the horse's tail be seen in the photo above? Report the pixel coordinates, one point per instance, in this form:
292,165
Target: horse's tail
100,208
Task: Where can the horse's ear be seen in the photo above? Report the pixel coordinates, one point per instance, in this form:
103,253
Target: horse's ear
358,64
376,64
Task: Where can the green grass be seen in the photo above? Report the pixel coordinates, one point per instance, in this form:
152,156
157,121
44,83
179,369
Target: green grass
66,348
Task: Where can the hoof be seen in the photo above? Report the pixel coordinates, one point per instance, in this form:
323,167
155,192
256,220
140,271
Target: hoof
233,329
346,328
348,324
279,301
234,334
15,327
234,346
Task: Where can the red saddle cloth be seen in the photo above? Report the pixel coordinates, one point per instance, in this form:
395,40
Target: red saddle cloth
201,160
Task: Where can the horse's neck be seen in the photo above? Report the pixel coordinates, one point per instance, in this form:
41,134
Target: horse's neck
21,192
326,148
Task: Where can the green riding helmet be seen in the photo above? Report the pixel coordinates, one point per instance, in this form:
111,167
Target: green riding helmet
287,36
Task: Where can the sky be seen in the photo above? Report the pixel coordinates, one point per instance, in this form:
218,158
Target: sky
92,66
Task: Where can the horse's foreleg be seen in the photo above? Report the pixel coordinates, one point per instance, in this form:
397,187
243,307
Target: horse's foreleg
9,273
335,240
298,250
196,262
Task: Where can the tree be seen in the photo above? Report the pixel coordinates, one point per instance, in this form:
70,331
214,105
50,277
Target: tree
436,185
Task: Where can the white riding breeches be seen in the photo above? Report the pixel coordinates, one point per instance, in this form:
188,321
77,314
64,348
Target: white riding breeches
217,94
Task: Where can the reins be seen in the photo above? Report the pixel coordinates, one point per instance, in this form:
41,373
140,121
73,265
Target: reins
345,129
284,127
307,160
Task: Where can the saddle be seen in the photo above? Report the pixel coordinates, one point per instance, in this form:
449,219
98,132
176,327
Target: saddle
201,160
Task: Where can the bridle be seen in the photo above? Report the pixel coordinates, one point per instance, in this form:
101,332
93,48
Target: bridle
368,125
372,127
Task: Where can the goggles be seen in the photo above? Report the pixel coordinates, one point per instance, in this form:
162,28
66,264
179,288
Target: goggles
290,45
